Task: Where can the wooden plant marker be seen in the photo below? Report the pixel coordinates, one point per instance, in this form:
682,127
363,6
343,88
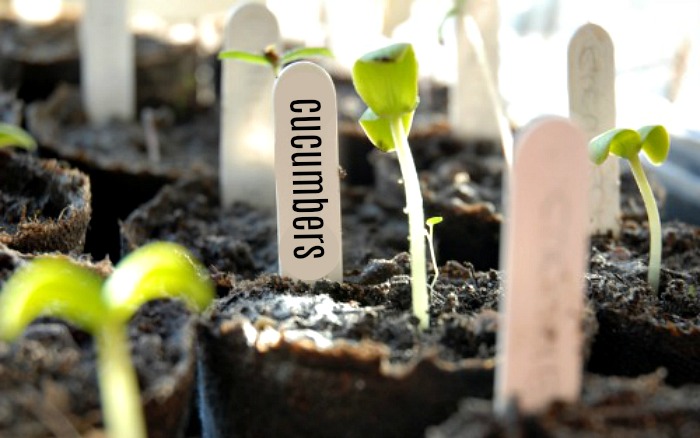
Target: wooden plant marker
474,99
306,169
247,138
107,61
540,338
592,105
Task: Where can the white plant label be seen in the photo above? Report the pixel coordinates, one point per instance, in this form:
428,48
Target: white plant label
306,169
472,108
540,338
592,106
107,61
247,136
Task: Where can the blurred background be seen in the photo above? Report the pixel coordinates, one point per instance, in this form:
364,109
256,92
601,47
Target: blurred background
657,51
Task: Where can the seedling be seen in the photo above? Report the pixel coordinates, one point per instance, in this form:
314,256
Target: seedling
626,143
11,135
275,60
53,286
387,81
430,224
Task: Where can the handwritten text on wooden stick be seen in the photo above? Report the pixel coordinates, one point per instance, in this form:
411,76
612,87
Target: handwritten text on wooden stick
540,340
592,106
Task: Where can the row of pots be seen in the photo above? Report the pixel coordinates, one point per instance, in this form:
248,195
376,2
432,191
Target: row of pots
282,357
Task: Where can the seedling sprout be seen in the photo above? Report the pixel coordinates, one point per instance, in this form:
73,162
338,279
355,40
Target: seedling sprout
53,286
654,142
275,60
430,224
11,135
387,81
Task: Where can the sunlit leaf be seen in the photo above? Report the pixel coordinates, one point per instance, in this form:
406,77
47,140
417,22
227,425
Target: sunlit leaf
624,143
655,143
378,129
245,57
51,287
387,80
305,53
432,221
11,135
157,270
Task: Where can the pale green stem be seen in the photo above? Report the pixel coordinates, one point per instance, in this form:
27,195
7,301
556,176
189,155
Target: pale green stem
431,249
416,221
121,399
653,219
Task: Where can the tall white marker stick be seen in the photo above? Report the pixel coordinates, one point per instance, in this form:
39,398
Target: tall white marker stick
471,106
540,338
107,61
247,136
592,106
306,170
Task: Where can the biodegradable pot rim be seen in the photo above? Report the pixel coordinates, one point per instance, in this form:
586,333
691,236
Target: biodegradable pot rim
63,233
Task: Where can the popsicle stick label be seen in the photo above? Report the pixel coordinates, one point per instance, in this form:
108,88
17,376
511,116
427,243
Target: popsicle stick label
306,169
591,82
540,339
247,135
107,61
472,107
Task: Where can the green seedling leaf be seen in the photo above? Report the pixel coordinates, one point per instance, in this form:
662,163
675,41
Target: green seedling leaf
51,287
655,143
378,129
626,143
57,287
11,135
305,53
157,270
432,221
387,80
245,57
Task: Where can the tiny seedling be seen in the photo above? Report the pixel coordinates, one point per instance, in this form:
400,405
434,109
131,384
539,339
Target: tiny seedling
387,81
627,143
455,11
11,135
274,59
430,224
53,286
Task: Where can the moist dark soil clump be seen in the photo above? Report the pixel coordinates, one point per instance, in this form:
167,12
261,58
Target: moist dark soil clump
346,359
609,406
48,378
641,330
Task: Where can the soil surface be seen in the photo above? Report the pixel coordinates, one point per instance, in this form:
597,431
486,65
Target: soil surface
48,378
328,358
609,406
641,330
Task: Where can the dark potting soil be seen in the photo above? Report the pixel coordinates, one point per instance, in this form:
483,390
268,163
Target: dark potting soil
48,378
346,359
609,407
641,330
44,205
116,158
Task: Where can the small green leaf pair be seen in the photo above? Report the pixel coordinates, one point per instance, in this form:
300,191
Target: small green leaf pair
655,143
271,58
387,81
53,286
